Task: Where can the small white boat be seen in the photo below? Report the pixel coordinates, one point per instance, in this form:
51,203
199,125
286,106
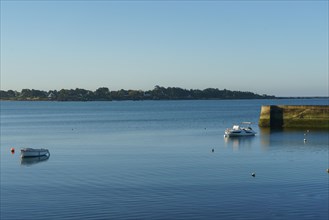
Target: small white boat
238,131
30,152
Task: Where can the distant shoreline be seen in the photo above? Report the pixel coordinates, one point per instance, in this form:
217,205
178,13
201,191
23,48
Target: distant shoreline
304,97
47,100
158,93
104,94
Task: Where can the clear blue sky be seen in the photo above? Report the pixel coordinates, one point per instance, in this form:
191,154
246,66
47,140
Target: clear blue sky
267,47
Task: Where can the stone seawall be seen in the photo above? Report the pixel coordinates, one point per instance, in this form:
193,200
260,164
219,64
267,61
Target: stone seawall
294,116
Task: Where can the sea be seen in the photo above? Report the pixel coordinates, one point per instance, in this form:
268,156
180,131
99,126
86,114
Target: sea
159,160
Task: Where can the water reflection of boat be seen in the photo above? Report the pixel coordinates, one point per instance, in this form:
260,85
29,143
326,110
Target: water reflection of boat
30,152
237,142
28,161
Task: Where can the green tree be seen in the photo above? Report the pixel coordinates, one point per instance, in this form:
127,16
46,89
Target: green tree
103,93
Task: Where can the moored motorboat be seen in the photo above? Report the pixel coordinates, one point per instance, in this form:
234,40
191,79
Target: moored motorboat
237,131
31,152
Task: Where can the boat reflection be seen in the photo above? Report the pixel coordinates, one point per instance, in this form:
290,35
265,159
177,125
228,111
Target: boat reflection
239,142
29,161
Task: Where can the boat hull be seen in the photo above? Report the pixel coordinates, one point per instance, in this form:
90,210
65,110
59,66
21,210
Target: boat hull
30,152
28,161
228,134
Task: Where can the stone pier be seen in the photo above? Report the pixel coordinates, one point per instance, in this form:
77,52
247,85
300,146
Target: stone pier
294,116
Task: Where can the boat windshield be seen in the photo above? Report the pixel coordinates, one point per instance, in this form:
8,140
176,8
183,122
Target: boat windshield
236,127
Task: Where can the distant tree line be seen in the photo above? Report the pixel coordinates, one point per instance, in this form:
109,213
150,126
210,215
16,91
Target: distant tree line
104,94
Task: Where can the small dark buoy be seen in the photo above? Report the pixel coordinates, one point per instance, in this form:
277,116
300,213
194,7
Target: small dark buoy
213,150
305,139
327,170
253,174
12,150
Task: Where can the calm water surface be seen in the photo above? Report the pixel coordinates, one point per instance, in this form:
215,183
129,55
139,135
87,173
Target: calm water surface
154,160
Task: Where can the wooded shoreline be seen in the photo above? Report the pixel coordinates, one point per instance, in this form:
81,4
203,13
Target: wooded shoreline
104,94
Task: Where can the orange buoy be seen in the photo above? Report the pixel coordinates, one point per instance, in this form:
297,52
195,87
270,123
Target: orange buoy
12,150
